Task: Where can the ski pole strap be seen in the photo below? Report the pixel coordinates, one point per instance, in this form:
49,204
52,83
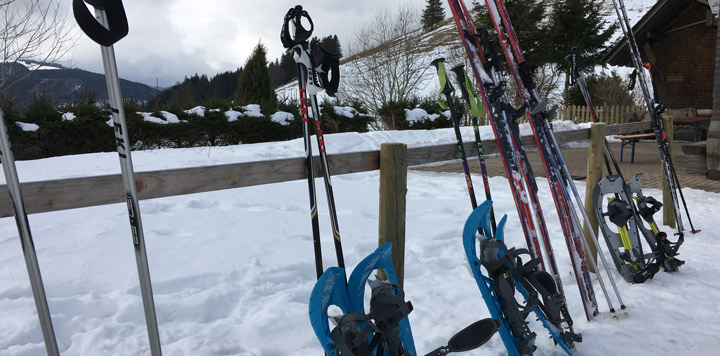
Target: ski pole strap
301,35
117,25
329,64
445,87
467,90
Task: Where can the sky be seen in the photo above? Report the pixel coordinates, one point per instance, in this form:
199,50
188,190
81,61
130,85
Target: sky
171,39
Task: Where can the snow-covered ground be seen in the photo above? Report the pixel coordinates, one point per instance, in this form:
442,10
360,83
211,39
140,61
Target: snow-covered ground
232,270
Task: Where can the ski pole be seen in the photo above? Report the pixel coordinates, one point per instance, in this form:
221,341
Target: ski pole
447,90
299,38
108,26
474,104
26,240
312,79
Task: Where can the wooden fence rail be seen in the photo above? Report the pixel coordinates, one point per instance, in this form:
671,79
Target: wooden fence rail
580,114
46,196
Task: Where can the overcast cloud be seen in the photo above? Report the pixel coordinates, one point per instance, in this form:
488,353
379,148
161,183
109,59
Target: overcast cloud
170,39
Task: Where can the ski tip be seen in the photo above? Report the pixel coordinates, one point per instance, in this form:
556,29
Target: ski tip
694,231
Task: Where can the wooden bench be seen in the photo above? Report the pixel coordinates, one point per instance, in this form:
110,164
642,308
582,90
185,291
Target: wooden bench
631,140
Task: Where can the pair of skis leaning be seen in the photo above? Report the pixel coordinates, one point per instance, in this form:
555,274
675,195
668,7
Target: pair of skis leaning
491,87
655,109
317,71
518,338
629,209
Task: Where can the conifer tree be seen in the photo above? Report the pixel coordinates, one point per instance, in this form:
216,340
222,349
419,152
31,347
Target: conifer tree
254,83
433,14
527,18
579,23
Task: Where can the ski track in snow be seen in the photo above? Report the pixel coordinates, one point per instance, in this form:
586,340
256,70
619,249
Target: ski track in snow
232,270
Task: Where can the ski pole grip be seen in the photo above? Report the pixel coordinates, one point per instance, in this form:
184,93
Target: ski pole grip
459,71
117,26
295,14
466,89
445,86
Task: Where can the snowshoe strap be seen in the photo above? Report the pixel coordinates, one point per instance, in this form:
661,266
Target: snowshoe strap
301,35
618,212
387,308
490,256
350,334
647,207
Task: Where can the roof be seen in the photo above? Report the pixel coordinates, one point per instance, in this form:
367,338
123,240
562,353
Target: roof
657,19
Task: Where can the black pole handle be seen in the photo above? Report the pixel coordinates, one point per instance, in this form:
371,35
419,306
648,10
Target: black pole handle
439,65
117,20
295,14
459,71
575,65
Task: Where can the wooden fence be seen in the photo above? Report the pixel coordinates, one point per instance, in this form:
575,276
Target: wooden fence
610,115
46,196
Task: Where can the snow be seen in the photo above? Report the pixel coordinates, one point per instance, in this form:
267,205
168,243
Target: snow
282,117
168,118
68,116
30,65
232,270
419,114
27,127
232,115
198,110
347,111
252,110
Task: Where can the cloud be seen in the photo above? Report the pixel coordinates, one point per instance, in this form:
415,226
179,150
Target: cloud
171,39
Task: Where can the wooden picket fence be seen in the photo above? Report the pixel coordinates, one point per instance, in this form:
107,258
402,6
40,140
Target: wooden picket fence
610,115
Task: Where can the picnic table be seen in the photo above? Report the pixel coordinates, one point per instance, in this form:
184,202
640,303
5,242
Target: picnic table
630,140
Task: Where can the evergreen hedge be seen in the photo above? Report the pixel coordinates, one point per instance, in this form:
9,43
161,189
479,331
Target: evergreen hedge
89,131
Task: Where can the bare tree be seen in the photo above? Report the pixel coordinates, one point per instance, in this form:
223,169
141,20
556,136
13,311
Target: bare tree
387,61
38,30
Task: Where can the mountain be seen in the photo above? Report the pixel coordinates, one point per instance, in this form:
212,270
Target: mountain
63,85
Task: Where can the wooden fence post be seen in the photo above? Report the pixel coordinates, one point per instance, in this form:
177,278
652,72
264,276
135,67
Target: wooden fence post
393,189
594,174
668,207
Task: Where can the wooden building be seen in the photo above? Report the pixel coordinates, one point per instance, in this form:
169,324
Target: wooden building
678,37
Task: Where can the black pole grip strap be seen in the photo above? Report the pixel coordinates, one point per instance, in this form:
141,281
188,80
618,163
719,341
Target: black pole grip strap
117,21
301,35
